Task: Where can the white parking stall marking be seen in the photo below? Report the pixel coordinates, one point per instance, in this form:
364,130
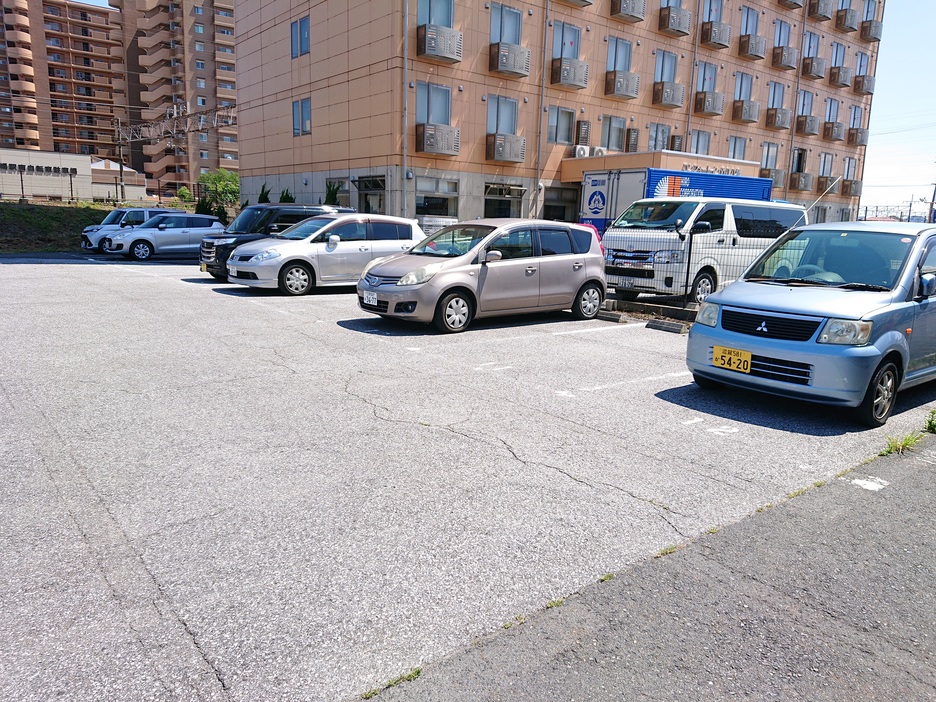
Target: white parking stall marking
600,329
870,483
693,421
723,430
483,368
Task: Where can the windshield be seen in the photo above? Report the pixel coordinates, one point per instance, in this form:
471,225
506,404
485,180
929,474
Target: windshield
304,229
860,260
249,220
114,217
655,214
452,241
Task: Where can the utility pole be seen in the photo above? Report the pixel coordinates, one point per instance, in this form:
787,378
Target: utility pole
932,212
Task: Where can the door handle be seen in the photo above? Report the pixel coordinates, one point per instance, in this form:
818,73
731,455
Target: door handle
576,266
363,248
531,269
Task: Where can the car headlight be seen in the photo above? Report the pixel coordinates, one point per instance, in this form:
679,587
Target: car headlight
420,275
222,242
663,257
265,256
88,230
117,235
845,331
707,314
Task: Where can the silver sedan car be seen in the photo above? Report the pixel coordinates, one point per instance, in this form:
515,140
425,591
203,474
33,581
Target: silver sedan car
486,268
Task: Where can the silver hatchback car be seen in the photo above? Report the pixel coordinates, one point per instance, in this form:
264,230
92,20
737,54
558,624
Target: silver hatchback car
842,313
489,267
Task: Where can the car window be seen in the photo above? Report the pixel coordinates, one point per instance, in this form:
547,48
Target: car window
554,242
200,222
929,262
285,219
714,215
388,231
582,240
515,244
175,222
350,231
135,218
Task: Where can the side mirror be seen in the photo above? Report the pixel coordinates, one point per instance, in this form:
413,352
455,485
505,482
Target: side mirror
125,224
701,228
161,227
273,228
927,285
333,239
493,255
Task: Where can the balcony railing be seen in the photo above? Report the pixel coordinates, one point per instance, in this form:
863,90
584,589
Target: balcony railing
864,85
857,136
709,102
846,20
509,59
439,43
785,57
505,147
871,30
438,139
752,47
807,125
833,131
841,76
569,73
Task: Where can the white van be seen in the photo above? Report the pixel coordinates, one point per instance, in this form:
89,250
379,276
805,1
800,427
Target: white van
694,245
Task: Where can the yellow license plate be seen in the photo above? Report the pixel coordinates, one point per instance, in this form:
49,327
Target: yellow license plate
204,268
732,359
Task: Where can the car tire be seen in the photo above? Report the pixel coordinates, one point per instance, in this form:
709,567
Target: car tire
878,402
453,313
706,383
702,287
296,279
587,302
141,250
100,248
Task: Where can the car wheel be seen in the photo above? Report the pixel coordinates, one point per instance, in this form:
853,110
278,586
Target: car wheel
453,313
100,248
706,383
296,279
878,402
587,302
702,287
141,250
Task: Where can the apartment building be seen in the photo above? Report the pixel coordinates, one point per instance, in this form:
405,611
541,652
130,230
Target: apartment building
70,72
432,108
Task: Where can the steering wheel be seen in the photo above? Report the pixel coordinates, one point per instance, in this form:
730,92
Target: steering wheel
805,271
810,272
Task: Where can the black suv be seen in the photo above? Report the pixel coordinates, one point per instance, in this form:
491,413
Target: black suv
254,222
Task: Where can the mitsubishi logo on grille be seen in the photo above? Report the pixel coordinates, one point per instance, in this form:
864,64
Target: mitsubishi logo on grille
762,327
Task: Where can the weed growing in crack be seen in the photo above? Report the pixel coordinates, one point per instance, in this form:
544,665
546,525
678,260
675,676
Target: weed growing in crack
555,603
667,551
606,577
406,677
901,445
930,426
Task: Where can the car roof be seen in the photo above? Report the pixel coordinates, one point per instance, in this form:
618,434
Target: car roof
729,200
904,228
511,221
301,206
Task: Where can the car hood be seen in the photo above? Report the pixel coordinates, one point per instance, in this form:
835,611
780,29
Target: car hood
400,264
255,247
809,301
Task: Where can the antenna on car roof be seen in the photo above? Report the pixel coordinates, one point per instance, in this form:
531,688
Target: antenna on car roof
818,200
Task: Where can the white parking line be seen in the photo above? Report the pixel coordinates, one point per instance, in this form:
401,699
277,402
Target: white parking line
600,329
871,483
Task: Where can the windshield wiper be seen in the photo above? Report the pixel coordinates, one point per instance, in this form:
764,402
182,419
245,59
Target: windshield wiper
864,286
788,281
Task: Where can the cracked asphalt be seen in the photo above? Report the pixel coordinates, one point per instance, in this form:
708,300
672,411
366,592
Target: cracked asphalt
216,493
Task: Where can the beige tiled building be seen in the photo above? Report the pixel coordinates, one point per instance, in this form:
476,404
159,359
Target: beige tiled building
69,71
438,108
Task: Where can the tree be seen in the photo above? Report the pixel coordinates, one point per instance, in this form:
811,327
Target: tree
264,195
185,195
287,196
222,187
331,192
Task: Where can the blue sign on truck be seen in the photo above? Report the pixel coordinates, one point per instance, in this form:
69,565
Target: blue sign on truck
606,194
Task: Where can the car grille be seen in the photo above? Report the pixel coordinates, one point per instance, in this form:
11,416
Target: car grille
628,272
245,257
381,306
781,369
376,281
207,252
770,326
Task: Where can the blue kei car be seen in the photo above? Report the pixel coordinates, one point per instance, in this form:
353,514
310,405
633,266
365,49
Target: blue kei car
842,313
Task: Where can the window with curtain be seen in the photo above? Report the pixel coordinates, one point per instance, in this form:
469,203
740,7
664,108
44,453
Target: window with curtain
665,69
619,54
707,76
561,125
502,115
440,12
744,83
506,23
433,103
566,38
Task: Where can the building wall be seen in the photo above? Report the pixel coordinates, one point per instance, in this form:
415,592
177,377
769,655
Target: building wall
43,175
362,70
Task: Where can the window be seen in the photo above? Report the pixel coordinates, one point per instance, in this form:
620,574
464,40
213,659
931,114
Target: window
561,125
862,64
433,104
707,77
198,10
711,10
226,86
619,54
659,137
775,94
831,110
226,67
855,117
870,10
749,20
769,155
302,117
804,100
699,142
203,136
744,83
202,101
665,66
199,65
613,132
555,242
670,3
230,32
515,244
352,231
838,54
798,164
825,164
810,44
388,231
850,167
203,154
737,147
199,46
505,24
199,82
566,39
299,36
502,115
199,28
441,12
782,33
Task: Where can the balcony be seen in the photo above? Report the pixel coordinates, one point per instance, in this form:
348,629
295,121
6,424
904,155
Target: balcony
578,3
828,184
710,103
791,4
820,10
864,85
509,60
841,76
785,58
669,94
752,47
833,131
807,125
857,137
846,20
505,147
745,111
801,181
715,35
438,43
871,30
814,68
438,139
851,188
569,73
675,21
776,175
622,85
629,10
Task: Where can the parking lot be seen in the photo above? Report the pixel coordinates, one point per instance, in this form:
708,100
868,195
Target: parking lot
214,492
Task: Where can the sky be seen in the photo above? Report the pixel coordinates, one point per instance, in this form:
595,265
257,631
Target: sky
899,173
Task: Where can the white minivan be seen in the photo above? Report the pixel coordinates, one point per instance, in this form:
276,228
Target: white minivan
690,245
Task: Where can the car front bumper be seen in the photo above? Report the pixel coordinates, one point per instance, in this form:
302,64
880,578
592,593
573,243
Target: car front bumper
255,275
413,302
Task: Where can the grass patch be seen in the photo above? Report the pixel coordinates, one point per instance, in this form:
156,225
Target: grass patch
764,508
407,677
667,551
519,619
930,426
555,603
901,445
796,493
606,577
711,530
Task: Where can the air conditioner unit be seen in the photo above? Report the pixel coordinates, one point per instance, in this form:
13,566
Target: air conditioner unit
581,151
676,142
752,47
599,151
716,35
629,10
675,21
438,42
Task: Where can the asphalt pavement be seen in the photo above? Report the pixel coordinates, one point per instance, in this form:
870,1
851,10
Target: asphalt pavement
826,595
